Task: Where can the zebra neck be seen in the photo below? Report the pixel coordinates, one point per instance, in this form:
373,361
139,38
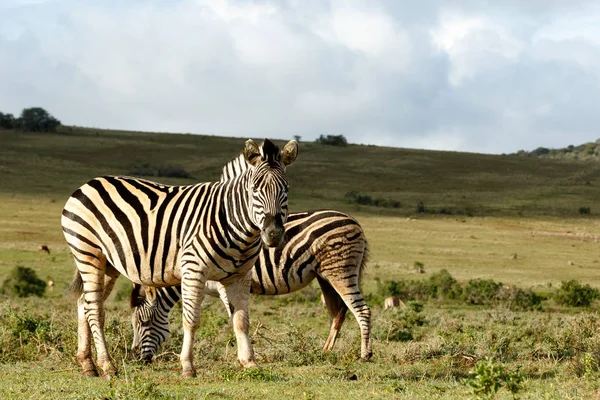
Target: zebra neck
236,213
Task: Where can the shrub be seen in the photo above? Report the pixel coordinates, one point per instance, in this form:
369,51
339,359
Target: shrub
419,267
584,210
540,151
480,291
573,294
173,172
36,119
366,200
519,300
332,140
444,285
7,121
166,171
23,282
399,325
486,378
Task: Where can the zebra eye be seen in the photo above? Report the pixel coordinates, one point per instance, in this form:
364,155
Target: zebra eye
145,323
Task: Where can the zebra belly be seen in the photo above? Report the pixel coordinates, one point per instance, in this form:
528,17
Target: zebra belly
281,280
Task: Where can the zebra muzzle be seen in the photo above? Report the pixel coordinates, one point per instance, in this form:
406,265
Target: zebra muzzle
272,233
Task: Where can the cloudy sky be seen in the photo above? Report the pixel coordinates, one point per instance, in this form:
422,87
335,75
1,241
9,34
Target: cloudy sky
482,76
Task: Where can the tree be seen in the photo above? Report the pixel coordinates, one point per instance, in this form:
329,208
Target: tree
36,119
7,121
332,140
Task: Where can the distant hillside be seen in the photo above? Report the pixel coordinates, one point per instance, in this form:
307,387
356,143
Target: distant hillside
350,178
586,151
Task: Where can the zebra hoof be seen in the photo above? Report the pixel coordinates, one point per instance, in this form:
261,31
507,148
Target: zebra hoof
90,373
365,359
248,364
188,374
108,375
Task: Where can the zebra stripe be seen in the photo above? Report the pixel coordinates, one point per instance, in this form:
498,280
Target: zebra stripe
159,235
324,244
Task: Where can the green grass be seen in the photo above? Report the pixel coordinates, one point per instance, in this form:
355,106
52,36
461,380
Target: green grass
521,206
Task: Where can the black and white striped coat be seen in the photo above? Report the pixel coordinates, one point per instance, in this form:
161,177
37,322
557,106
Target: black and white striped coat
159,235
324,244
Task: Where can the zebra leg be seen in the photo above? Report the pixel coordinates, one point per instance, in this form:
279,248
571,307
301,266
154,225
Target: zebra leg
84,341
192,294
217,289
110,278
347,288
337,312
92,303
238,293
84,333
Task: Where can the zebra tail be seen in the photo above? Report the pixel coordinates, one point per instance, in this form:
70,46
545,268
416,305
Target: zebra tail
363,263
76,287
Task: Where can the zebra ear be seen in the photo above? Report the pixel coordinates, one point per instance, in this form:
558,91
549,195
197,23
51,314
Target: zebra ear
151,293
137,296
252,153
289,152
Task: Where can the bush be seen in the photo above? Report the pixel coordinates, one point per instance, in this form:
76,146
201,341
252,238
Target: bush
399,325
486,378
519,300
366,200
481,291
332,140
23,282
36,119
7,121
573,294
584,210
167,171
442,286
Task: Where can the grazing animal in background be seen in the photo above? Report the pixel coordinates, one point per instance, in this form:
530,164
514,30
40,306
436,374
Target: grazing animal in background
44,248
50,284
161,235
327,245
392,302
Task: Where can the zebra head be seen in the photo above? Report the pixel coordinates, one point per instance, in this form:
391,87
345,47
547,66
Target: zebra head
269,187
150,322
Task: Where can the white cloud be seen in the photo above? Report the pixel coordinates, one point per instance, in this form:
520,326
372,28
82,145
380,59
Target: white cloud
455,76
475,45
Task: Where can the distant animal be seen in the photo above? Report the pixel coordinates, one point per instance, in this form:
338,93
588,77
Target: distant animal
392,301
50,284
325,244
45,248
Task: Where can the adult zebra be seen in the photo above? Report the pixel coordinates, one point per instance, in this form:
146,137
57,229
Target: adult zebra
327,245
159,235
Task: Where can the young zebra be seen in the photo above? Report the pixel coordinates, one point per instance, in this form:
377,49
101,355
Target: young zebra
159,235
325,244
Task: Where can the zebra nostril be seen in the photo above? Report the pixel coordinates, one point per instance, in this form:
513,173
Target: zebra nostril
275,233
147,359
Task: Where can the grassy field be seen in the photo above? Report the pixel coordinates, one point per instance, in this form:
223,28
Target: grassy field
513,220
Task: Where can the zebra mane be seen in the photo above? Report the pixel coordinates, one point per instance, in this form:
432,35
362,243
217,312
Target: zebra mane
236,167
233,168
